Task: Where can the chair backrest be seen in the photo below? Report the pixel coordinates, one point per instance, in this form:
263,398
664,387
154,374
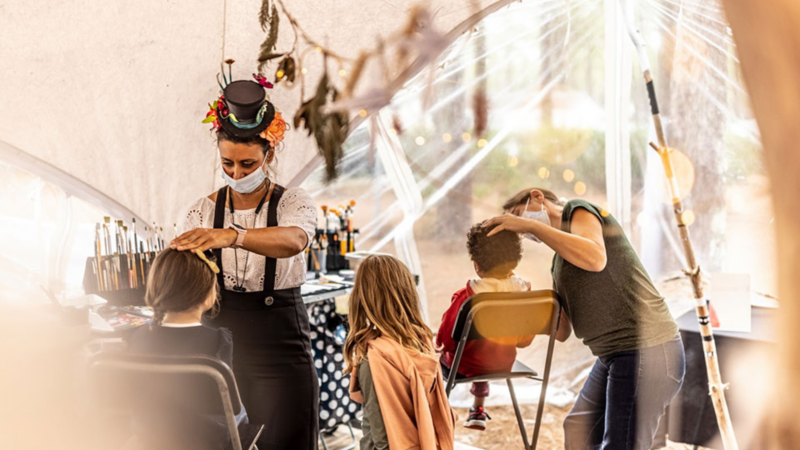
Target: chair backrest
507,314
195,383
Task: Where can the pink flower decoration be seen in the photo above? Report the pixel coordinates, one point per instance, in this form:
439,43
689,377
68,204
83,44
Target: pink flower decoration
262,80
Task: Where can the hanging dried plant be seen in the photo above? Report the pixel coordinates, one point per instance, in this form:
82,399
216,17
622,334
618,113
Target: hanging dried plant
396,124
263,15
326,114
355,73
480,106
407,35
267,52
286,70
328,128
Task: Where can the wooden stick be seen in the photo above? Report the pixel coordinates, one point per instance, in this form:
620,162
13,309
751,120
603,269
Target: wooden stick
715,386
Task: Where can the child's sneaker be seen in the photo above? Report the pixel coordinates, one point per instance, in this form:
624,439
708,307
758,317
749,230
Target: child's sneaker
477,419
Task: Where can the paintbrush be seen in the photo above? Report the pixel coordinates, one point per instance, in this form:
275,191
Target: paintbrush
107,235
154,237
120,240
141,262
128,256
96,274
135,237
117,270
98,256
134,249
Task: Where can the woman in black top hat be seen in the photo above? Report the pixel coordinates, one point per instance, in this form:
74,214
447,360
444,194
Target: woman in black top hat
258,231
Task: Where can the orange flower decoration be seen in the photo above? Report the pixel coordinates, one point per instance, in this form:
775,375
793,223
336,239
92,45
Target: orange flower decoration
274,133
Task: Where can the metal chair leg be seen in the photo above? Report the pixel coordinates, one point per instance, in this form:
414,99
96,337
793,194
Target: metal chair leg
539,414
350,446
322,438
353,443
519,414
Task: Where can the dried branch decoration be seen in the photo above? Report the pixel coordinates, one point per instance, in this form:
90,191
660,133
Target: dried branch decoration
270,23
329,129
326,114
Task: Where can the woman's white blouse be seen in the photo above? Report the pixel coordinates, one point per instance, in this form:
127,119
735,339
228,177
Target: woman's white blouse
296,209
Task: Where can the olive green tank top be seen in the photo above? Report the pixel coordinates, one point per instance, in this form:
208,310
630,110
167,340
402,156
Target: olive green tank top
617,309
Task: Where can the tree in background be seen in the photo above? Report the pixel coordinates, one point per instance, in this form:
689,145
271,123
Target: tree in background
697,124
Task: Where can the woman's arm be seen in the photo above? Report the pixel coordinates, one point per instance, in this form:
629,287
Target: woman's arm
583,246
297,225
275,242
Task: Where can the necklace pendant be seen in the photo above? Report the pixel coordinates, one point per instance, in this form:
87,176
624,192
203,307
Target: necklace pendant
239,289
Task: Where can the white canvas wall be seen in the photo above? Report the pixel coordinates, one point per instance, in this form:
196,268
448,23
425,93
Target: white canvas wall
113,92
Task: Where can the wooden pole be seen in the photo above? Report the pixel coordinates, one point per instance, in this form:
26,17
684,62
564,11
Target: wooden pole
715,386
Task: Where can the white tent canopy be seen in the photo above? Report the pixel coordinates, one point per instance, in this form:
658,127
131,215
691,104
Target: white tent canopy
113,93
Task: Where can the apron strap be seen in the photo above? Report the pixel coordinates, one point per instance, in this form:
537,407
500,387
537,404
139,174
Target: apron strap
219,221
270,264
272,221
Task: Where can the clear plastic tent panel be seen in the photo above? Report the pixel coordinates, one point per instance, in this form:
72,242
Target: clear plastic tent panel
541,65
717,149
46,236
362,179
545,68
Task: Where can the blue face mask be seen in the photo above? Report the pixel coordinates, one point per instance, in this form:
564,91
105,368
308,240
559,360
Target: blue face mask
540,216
249,183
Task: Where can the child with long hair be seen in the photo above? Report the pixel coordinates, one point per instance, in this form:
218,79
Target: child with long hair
395,370
181,289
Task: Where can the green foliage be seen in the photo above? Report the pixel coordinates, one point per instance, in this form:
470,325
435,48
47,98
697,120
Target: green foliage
553,148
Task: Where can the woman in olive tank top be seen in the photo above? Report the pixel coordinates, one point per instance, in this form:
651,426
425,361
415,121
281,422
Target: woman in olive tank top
611,303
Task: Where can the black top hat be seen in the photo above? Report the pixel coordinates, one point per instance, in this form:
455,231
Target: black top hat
249,112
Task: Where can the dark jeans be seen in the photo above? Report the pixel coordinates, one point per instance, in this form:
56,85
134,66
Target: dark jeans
624,398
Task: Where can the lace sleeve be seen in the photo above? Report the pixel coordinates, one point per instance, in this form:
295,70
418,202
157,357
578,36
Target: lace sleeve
196,216
297,209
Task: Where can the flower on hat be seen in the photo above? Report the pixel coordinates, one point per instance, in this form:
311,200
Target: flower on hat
216,110
262,80
275,130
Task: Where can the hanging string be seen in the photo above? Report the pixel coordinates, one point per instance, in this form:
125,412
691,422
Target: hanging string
224,27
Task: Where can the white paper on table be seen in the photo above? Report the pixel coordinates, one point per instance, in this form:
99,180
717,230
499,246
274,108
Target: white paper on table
730,295
97,323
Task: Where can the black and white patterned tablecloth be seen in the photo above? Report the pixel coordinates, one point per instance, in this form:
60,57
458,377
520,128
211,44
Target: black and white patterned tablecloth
327,340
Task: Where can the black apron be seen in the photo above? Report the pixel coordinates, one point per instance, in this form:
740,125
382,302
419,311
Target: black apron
272,358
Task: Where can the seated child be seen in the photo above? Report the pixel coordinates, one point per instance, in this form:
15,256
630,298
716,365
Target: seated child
494,259
394,368
181,287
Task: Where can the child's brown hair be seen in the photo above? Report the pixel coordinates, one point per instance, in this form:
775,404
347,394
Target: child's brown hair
496,254
178,281
384,302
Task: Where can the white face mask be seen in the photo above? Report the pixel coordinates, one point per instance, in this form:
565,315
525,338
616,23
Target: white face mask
540,216
249,183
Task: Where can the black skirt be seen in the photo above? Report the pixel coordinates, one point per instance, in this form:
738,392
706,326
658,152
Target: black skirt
273,365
